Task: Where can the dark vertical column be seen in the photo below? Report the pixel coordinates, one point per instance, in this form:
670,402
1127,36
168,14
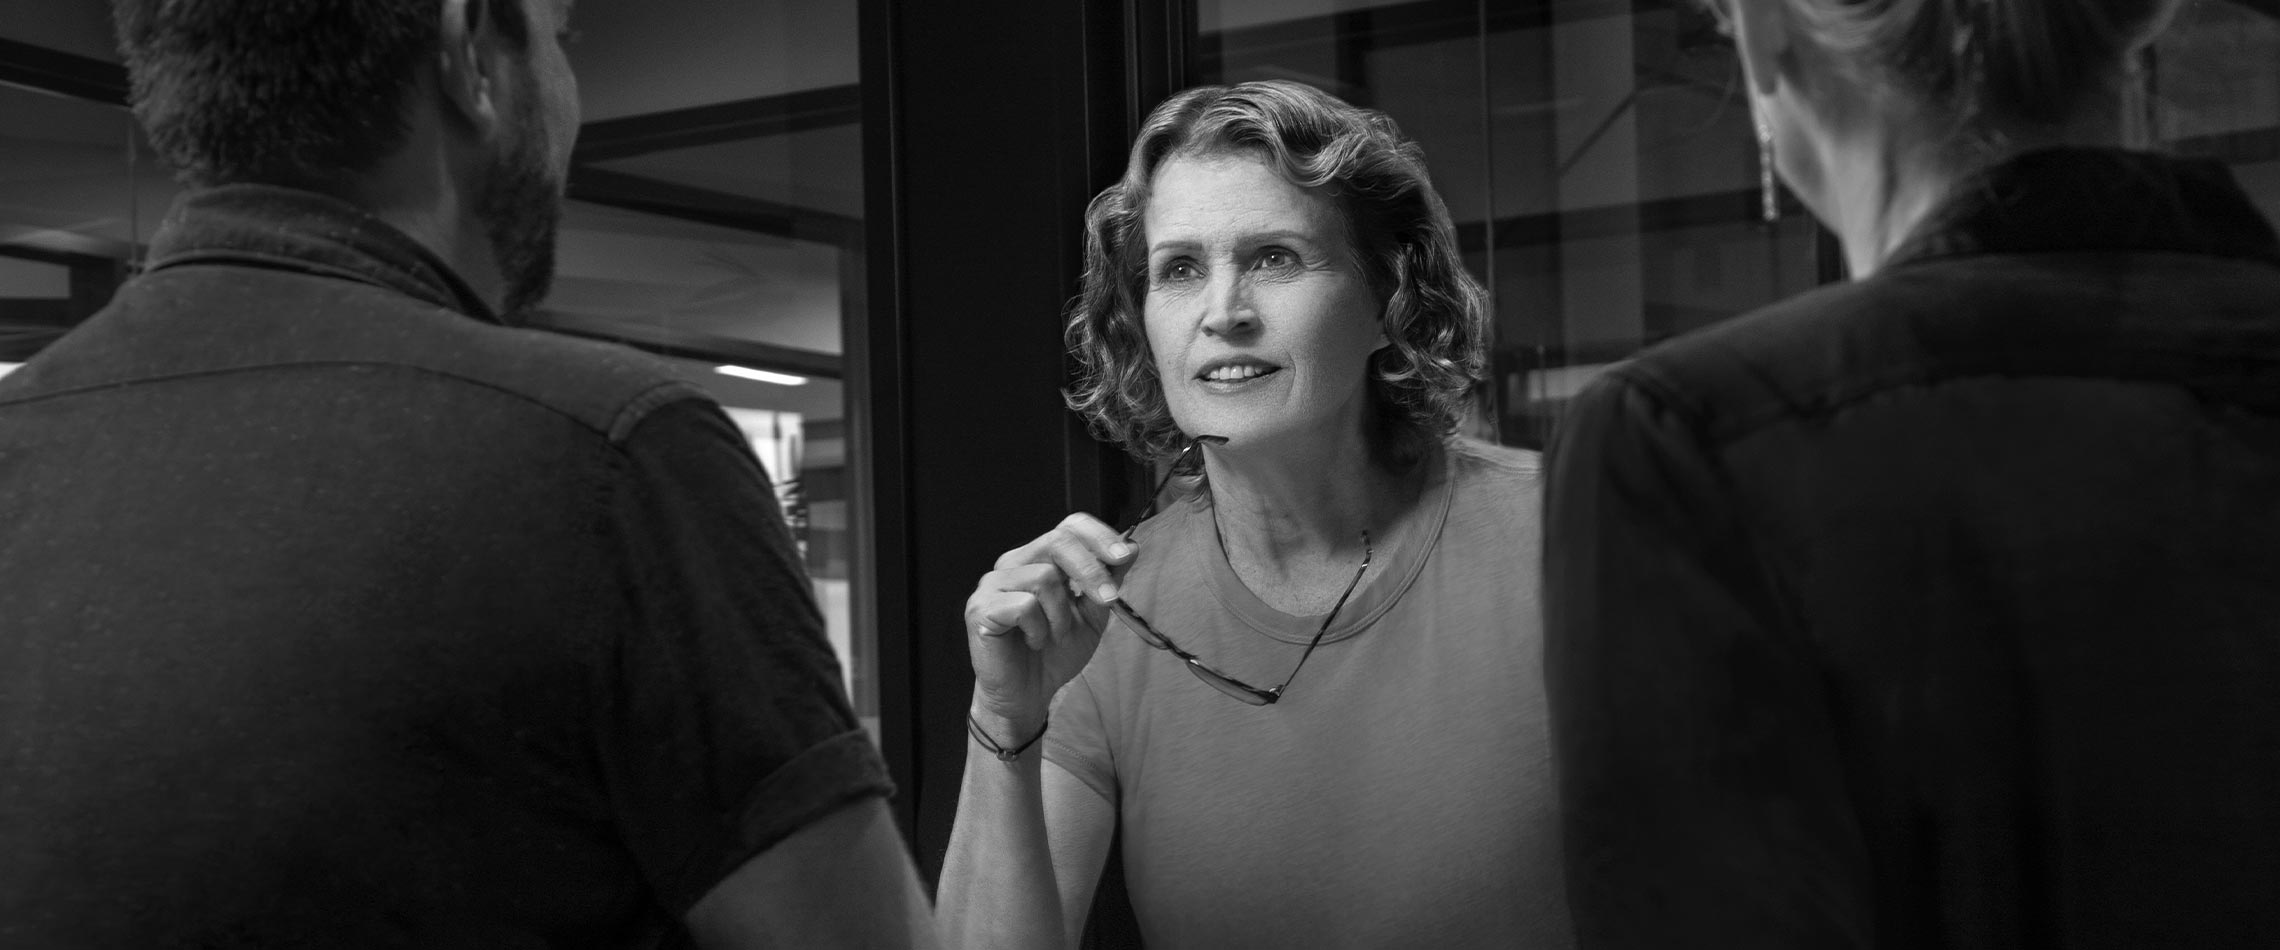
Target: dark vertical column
987,128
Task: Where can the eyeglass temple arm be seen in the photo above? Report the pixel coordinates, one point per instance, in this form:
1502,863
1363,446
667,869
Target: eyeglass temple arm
1332,618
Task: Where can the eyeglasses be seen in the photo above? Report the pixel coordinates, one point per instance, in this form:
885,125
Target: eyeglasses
1189,462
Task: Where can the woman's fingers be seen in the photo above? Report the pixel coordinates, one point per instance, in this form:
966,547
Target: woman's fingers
1032,598
1086,551
1017,614
1088,573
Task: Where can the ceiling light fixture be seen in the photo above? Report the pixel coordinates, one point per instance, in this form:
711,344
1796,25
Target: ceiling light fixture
744,372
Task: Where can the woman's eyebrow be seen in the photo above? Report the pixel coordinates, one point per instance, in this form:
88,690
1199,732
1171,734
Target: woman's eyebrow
1279,234
1240,238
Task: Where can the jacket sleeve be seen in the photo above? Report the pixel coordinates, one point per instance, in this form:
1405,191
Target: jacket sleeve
1704,801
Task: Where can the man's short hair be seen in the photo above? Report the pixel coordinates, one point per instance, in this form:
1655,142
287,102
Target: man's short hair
282,91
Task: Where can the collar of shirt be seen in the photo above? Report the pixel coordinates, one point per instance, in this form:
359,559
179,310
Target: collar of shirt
287,228
2094,199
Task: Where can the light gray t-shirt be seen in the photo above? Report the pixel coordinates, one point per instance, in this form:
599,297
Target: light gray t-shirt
1401,794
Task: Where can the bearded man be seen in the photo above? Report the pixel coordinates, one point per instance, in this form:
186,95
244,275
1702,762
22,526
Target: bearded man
338,611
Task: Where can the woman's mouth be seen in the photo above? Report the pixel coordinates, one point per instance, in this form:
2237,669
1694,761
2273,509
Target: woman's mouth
1233,372
1237,372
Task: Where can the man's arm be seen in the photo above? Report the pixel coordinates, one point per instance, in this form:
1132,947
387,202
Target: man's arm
1703,800
841,881
741,781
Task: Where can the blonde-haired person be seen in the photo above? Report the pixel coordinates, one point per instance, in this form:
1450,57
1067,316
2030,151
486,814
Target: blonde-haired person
1307,690
1940,608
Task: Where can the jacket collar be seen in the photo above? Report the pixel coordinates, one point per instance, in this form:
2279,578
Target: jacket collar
2091,199
286,228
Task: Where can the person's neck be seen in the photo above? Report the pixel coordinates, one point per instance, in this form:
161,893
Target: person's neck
416,192
1284,512
1895,173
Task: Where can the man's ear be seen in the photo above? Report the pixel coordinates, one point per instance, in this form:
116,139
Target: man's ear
463,73
1761,39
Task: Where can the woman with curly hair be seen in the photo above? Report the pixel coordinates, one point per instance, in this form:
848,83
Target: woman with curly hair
1306,690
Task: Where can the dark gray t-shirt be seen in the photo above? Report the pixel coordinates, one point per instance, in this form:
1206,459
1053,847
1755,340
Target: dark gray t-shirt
333,616
1400,795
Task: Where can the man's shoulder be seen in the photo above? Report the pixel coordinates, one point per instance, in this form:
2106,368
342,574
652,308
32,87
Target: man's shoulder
174,325
608,386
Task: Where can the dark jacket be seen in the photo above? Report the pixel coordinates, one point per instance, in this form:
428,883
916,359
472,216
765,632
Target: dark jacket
1941,608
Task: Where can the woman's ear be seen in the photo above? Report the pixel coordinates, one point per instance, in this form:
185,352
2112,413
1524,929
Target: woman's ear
1761,38
463,72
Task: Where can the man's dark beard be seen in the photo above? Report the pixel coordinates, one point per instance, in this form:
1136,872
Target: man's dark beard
519,204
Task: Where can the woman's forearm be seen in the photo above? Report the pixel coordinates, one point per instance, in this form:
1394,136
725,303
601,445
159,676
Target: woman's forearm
998,891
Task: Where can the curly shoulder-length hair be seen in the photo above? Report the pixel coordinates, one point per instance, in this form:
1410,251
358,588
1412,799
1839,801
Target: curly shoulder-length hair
1435,314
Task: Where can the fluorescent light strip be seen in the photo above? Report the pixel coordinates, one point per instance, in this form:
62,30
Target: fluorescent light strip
745,372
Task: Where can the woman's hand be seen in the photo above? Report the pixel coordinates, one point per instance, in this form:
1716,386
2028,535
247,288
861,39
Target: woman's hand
1032,623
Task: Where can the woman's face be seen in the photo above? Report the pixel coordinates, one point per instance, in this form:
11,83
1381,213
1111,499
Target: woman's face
1257,312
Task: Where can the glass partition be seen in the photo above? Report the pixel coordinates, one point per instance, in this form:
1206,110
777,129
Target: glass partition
2214,84
717,219
79,194
1599,160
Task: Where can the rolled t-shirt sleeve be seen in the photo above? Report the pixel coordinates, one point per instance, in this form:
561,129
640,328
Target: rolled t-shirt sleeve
723,725
1076,738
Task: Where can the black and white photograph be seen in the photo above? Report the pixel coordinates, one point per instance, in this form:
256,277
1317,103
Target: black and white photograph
1104,474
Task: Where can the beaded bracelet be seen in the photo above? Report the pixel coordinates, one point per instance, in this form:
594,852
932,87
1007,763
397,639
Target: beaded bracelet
1003,754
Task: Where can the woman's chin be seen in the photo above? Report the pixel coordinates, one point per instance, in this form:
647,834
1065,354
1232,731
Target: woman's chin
1254,436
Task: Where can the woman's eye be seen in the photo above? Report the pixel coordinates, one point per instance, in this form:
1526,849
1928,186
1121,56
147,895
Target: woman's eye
1276,257
1178,270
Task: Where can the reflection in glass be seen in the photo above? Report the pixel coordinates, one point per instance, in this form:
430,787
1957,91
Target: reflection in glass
1598,159
717,219
2214,89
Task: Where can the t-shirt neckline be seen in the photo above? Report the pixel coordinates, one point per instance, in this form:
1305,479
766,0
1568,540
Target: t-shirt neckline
1395,563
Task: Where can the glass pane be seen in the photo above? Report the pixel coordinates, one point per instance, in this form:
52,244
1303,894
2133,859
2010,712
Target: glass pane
717,219
2215,82
1598,159
79,194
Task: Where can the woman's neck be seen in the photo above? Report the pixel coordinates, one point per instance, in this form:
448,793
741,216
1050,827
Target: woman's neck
1886,177
1879,204
1286,516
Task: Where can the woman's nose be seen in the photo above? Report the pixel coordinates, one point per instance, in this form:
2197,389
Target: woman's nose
1228,312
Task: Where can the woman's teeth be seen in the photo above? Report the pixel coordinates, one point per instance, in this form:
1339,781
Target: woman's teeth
1228,374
